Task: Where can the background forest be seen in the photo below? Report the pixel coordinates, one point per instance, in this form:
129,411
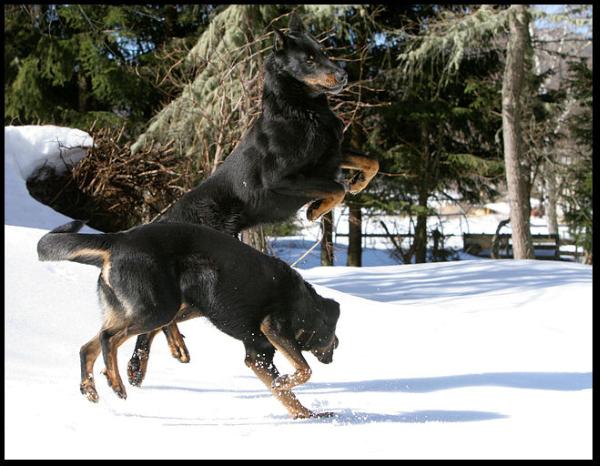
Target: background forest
461,103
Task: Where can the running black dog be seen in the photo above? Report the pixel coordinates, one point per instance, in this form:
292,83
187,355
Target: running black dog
153,274
291,156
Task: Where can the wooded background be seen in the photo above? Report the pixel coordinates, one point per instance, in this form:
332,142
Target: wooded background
459,102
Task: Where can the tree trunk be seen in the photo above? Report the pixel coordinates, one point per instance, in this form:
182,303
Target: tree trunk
420,243
512,87
552,196
355,236
256,238
82,92
327,243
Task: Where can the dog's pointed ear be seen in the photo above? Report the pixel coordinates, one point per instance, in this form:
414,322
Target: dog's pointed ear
280,39
295,24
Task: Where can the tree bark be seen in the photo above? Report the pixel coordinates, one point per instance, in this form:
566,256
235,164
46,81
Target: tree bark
256,238
512,87
355,236
82,92
552,197
420,242
327,243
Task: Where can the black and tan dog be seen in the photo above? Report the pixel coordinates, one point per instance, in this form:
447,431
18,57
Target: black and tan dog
290,157
155,274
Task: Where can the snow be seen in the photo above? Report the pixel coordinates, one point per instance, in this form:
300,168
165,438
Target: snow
26,149
465,359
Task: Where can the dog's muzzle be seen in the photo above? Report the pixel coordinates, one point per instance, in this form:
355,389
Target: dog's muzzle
326,355
341,79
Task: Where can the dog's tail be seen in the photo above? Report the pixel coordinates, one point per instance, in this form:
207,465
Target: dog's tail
64,243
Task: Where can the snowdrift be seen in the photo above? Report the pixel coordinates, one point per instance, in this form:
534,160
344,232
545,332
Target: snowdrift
468,359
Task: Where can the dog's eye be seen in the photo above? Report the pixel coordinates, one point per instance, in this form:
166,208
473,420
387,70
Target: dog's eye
310,60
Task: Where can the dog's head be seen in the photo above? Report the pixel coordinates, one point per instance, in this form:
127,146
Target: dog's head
300,56
317,334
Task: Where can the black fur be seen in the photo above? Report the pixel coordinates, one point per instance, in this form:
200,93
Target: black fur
289,157
150,273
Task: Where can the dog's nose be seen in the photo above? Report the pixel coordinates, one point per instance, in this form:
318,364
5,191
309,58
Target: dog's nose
341,76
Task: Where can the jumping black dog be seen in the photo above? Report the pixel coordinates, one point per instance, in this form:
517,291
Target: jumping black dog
153,274
291,156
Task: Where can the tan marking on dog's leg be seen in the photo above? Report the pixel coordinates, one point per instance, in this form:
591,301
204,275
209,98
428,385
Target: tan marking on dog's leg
88,355
176,344
267,373
110,345
320,207
368,169
292,353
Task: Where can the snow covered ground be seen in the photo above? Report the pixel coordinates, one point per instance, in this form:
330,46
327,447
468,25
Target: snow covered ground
466,359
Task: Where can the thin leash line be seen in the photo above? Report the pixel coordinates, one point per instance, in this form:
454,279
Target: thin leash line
310,249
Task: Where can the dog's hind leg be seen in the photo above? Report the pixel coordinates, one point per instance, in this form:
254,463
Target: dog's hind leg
88,355
138,364
176,344
111,339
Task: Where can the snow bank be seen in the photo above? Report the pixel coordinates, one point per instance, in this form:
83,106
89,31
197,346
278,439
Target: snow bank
470,359
457,360
27,148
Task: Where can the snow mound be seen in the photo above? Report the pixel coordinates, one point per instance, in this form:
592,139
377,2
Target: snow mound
472,359
26,149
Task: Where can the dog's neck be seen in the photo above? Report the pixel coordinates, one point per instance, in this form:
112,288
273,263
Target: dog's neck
284,95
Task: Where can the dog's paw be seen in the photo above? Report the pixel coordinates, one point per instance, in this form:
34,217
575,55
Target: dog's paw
120,391
312,213
115,384
89,391
357,184
180,352
307,414
135,375
323,414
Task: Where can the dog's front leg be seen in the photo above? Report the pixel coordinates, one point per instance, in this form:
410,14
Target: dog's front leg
327,193
280,385
311,188
292,353
366,166
263,367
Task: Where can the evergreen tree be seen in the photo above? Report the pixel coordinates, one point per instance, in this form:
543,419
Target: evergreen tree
579,192
438,141
73,64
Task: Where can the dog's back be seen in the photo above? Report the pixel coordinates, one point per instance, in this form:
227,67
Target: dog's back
215,272
181,264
